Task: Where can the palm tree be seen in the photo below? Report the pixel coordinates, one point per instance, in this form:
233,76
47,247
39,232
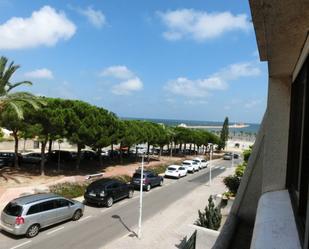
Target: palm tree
14,99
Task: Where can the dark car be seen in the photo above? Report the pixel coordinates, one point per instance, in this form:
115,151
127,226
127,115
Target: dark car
8,158
106,191
62,155
32,158
236,156
88,155
150,179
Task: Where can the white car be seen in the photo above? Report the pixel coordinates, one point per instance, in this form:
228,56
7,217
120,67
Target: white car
190,165
175,171
201,162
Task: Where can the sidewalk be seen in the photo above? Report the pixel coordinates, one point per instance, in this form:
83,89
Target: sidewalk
169,227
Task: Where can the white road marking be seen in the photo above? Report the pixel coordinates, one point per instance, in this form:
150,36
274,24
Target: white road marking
22,244
56,230
85,218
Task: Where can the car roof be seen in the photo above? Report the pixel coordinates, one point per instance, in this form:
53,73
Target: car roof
34,198
187,161
103,182
173,165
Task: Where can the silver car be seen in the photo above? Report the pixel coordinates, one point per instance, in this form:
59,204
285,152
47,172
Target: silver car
28,214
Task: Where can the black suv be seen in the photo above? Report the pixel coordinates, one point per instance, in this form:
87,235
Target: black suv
150,179
8,158
105,191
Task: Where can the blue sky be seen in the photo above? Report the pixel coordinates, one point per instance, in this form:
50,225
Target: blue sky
147,59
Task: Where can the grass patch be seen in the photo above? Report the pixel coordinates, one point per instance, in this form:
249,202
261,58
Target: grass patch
158,169
68,189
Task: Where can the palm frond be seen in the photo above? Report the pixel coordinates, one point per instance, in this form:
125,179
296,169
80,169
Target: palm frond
3,61
9,72
17,108
12,86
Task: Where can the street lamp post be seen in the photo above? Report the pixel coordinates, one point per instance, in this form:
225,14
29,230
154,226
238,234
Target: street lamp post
211,151
139,234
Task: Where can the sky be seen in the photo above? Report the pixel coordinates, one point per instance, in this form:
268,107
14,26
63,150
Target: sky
169,59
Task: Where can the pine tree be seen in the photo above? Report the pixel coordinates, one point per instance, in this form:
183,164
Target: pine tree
224,133
211,218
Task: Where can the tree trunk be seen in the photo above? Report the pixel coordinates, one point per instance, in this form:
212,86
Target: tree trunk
180,149
112,151
190,148
100,156
148,147
171,152
50,145
79,150
121,156
136,151
160,153
44,142
16,165
25,140
184,148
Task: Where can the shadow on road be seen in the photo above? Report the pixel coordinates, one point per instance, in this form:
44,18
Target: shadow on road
133,234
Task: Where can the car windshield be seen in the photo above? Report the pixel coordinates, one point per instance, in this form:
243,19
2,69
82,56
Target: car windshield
137,175
197,161
171,168
185,163
181,168
13,209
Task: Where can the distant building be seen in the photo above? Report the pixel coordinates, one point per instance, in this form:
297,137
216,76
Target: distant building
182,125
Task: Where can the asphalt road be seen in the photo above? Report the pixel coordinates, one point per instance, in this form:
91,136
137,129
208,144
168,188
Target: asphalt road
101,225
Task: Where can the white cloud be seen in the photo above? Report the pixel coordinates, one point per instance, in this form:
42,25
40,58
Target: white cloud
44,27
218,81
128,86
237,70
119,72
201,25
129,82
252,103
42,73
95,17
194,88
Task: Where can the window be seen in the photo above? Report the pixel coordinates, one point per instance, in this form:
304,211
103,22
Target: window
48,205
298,153
34,209
13,209
62,203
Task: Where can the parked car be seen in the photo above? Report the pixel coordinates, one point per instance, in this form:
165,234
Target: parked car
202,163
175,171
28,214
88,155
64,155
190,165
150,179
106,191
227,156
8,158
235,155
32,158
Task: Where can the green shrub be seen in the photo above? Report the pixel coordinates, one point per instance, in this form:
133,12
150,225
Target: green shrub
211,217
123,178
232,182
158,169
247,154
240,170
68,189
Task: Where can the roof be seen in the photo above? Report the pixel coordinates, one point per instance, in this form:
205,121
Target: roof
281,29
34,198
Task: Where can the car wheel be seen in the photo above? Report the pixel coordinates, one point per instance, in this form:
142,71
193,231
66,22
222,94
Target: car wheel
78,213
33,231
130,195
148,187
110,202
161,183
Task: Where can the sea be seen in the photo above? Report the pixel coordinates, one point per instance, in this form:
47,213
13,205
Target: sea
252,128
